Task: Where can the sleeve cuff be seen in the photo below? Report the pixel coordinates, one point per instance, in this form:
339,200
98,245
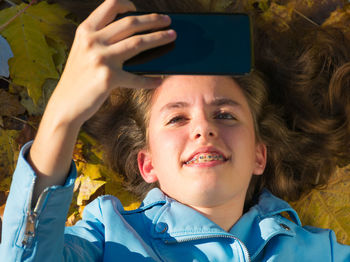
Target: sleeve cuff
54,205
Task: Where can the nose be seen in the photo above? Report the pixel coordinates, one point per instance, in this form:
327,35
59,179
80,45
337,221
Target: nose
203,129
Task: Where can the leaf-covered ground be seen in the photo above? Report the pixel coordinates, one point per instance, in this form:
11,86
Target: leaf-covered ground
39,35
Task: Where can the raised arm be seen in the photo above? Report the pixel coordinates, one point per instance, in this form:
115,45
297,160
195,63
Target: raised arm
93,69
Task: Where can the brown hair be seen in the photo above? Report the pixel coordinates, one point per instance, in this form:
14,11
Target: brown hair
299,98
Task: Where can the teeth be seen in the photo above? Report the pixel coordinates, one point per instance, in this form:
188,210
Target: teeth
206,157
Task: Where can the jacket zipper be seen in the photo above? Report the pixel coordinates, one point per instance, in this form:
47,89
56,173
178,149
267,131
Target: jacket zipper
245,249
32,216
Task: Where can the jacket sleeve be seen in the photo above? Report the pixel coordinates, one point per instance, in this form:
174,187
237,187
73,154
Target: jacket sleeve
37,234
340,253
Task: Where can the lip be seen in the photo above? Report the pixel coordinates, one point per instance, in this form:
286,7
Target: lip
203,150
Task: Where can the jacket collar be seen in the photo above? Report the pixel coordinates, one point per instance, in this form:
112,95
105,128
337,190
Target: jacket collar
264,221
175,222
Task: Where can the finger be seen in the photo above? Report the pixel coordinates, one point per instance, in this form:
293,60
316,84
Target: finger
128,26
134,45
106,13
129,80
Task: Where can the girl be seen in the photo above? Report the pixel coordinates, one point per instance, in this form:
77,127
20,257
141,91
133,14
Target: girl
209,145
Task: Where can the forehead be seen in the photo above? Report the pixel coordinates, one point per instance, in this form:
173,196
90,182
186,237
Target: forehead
195,89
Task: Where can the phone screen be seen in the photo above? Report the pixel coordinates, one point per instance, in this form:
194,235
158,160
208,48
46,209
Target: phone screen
210,44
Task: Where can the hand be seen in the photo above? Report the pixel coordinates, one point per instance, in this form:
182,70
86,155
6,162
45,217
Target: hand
94,65
93,69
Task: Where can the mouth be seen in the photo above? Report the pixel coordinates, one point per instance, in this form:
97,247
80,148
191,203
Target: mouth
205,158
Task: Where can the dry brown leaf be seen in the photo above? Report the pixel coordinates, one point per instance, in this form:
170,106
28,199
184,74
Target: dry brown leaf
9,104
8,156
317,10
3,197
329,207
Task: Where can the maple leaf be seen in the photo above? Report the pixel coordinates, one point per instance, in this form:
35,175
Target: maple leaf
53,22
329,207
33,61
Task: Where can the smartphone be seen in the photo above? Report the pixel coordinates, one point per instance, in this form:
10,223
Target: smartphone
206,44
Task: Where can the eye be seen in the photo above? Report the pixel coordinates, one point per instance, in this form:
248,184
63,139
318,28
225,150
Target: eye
176,119
224,116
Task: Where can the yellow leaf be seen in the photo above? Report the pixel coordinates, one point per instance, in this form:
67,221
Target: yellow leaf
32,63
90,170
339,17
329,207
36,109
87,188
73,218
114,186
52,19
98,170
279,15
38,41
8,156
59,54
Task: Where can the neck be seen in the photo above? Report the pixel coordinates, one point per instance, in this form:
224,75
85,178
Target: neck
225,215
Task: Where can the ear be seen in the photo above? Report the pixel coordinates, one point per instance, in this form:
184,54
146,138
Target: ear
260,159
144,160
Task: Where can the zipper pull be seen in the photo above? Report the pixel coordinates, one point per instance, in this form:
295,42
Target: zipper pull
29,233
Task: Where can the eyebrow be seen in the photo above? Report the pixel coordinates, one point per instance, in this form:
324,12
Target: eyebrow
223,101
216,102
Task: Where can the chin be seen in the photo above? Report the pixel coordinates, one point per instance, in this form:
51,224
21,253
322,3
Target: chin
206,198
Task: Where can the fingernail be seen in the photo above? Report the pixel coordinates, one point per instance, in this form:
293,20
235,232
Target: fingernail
166,18
171,32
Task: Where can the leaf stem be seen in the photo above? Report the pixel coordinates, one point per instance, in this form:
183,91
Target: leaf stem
23,121
10,2
305,17
18,119
2,27
5,79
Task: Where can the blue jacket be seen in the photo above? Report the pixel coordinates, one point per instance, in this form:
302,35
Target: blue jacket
162,229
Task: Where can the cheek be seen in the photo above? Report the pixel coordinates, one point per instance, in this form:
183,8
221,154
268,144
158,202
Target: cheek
167,146
241,140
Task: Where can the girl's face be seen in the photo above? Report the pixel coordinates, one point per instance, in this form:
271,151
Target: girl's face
202,148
